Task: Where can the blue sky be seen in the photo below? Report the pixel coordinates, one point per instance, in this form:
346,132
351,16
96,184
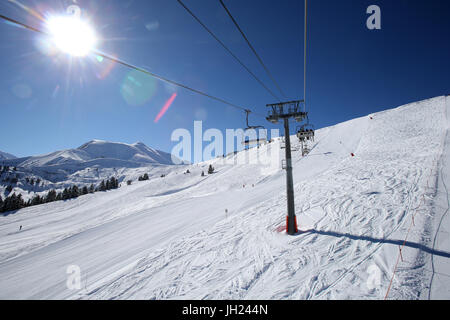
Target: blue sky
52,101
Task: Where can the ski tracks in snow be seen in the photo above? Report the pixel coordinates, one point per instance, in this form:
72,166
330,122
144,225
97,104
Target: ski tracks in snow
443,164
345,213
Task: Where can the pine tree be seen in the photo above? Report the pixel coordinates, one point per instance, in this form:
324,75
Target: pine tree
6,203
36,200
20,202
143,177
51,196
210,169
1,204
91,189
203,173
66,194
84,190
13,202
74,192
102,186
114,183
129,182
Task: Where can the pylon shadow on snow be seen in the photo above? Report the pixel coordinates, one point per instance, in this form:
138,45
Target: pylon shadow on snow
320,154
377,240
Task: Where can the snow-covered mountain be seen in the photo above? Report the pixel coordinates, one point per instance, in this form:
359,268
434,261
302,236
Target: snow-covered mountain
102,153
90,163
366,186
5,156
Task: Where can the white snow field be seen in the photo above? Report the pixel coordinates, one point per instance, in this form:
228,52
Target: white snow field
185,236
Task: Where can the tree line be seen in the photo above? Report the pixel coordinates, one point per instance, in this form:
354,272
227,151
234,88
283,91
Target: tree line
6,168
16,202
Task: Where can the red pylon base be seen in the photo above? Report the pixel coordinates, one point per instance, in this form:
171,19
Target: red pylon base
295,223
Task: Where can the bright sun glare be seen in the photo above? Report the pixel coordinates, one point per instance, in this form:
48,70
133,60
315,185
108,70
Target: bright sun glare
72,35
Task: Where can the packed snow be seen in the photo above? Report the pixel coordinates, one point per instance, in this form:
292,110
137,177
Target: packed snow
220,236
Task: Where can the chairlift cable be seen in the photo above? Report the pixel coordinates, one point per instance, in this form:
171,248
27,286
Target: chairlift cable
118,61
251,47
22,24
227,49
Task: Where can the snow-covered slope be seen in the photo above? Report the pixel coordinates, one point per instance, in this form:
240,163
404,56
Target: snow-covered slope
5,156
218,236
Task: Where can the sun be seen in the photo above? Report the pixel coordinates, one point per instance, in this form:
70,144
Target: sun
72,35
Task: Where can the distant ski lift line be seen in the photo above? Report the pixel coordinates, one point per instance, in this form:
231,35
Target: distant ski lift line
118,61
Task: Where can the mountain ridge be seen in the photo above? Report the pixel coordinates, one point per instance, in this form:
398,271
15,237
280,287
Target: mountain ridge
6,156
134,155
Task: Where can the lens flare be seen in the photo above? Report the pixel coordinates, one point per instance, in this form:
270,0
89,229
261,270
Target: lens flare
72,35
165,107
104,66
138,88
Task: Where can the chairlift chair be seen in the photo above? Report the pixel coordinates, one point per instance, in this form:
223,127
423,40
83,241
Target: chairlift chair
259,140
305,150
306,132
273,116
